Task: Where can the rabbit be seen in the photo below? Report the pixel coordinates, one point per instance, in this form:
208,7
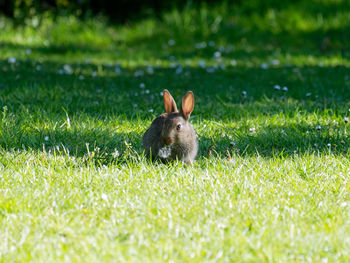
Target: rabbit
170,135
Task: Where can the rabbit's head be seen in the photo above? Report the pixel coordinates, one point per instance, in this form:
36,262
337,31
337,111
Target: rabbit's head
176,128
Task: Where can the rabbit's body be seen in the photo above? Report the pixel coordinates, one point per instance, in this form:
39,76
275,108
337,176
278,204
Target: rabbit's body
170,135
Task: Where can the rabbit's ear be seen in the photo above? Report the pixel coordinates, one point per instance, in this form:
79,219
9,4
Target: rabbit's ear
169,102
187,105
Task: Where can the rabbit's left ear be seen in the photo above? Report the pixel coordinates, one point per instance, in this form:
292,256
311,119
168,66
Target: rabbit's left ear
169,102
187,105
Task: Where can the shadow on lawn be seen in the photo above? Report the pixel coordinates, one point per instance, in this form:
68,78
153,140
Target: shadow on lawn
53,49
45,94
98,145
97,90
104,146
275,140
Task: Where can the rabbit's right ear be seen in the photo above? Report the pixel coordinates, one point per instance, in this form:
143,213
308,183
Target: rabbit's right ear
187,105
169,102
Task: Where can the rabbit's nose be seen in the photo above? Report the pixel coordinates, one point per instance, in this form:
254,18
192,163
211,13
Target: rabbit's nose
167,141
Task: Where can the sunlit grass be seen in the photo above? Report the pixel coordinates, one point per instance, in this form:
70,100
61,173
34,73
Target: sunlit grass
271,179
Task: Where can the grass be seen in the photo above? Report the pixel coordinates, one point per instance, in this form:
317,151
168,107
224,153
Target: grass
271,181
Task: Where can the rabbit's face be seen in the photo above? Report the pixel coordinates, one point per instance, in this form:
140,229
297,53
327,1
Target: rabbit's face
174,127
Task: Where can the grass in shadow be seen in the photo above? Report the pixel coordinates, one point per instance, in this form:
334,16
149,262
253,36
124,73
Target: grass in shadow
109,111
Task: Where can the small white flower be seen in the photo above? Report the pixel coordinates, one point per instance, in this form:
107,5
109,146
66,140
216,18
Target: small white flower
12,60
274,62
328,144
68,69
233,63
244,93
150,70
252,129
283,131
232,144
217,54
104,197
38,67
318,127
308,94
150,110
285,89
139,73
222,66
135,105
147,91
46,138
171,42
115,154
277,87
142,85
161,93
201,63
28,51
178,70
200,45
307,132
94,74
315,144
164,152
210,69
343,204
264,66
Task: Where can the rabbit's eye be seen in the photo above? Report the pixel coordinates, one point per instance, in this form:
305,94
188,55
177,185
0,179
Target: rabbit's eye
178,127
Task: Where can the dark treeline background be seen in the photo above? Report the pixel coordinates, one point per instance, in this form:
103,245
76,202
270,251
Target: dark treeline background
118,11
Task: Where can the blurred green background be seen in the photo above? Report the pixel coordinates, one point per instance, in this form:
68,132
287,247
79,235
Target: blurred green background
316,26
126,10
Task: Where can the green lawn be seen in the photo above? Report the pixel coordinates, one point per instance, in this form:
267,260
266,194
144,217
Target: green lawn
271,181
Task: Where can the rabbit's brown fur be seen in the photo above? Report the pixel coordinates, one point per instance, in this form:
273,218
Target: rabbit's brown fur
172,131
